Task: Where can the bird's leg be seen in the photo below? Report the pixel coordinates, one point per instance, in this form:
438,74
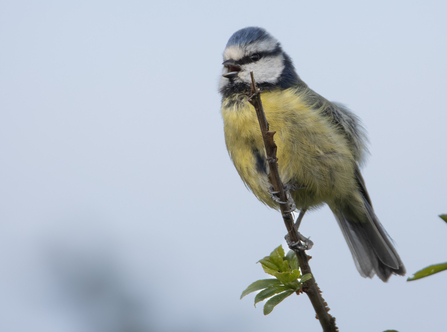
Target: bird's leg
293,187
303,242
299,218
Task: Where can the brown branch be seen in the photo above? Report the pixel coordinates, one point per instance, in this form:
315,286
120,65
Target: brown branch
310,287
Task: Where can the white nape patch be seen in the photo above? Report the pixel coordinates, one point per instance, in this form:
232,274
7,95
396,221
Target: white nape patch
266,70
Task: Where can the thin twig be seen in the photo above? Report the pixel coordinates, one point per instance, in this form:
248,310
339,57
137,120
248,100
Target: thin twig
310,287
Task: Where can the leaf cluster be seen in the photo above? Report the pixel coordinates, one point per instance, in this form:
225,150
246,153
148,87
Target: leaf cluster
288,279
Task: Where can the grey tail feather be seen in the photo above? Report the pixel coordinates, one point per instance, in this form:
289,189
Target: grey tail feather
370,245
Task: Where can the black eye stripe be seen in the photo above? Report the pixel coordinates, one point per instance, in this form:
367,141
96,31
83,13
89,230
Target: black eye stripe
247,59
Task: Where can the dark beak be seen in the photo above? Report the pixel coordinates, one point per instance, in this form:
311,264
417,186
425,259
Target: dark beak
233,68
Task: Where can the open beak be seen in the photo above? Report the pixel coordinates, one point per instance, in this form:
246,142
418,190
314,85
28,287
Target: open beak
233,68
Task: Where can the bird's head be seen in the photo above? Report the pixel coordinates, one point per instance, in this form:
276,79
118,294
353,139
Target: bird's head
254,49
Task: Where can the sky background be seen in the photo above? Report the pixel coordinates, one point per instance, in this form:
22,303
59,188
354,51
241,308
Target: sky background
120,210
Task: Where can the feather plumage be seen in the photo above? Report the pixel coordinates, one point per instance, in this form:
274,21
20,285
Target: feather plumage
321,146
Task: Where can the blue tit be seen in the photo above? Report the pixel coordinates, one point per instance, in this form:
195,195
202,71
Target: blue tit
321,146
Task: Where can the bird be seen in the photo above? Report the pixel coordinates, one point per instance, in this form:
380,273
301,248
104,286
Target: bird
321,146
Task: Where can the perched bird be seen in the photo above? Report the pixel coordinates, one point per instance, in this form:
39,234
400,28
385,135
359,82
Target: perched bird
321,146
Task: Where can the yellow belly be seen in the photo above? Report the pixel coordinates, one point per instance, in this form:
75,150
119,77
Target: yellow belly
311,151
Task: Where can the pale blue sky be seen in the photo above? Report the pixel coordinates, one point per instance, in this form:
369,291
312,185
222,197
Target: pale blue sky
112,150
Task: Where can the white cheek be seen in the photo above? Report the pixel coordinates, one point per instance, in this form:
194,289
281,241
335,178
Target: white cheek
267,70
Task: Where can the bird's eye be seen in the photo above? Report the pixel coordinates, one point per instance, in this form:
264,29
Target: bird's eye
255,57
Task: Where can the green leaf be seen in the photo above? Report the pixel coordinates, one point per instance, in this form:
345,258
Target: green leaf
277,258
273,268
284,277
293,260
270,271
288,277
268,292
295,274
429,270
306,277
274,301
275,262
260,284
285,266
443,217
279,251
267,262
391,331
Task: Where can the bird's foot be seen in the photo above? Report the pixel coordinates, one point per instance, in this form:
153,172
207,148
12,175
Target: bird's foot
303,242
277,199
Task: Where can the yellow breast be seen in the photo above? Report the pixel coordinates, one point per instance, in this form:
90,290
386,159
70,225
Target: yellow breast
311,151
